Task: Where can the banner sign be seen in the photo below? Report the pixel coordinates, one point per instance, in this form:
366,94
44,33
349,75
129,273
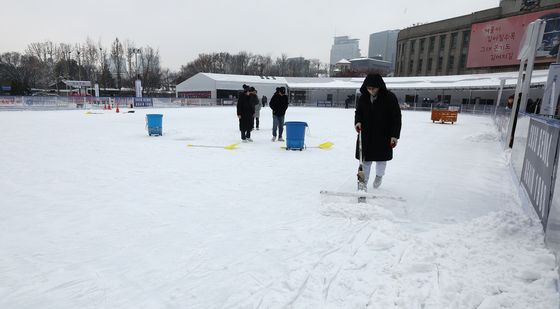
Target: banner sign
497,42
77,83
41,101
195,94
143,102
538,170
11,101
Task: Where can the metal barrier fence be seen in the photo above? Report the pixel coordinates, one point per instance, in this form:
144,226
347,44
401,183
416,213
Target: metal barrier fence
68,103
65,103
534,159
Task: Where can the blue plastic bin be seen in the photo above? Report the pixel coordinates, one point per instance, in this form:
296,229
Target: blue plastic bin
154,124
295,135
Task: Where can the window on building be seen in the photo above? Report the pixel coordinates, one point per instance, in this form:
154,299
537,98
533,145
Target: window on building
432,44
419,68
441,42
463,61
408,98
412,43
410,65
466,38
454,37
422,42
440,63
444,98
451,62
430,63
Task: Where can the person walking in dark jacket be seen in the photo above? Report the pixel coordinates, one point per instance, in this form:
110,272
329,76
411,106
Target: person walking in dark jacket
279,105
257,104
264,100
245,113
378,119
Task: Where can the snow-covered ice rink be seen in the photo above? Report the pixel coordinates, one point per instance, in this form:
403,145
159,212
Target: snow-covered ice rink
96,214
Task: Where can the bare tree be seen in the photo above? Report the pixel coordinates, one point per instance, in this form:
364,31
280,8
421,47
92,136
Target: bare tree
282,64
22,72
106,78
240,62
90,59
151,69
117,54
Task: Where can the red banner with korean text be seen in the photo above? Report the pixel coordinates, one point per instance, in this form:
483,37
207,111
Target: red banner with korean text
497,42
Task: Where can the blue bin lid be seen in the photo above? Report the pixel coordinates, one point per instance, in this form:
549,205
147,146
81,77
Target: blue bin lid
295,122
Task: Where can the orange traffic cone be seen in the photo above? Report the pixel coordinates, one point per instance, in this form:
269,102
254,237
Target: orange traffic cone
117,110
104,106
109,106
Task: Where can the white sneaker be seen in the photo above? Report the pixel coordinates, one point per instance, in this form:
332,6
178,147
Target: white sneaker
244,140
377,181
250,140
280,139
273,139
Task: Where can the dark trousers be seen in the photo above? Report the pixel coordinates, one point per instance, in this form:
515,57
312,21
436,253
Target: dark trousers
257,122
245,134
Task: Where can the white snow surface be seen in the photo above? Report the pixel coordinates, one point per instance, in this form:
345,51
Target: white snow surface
96,214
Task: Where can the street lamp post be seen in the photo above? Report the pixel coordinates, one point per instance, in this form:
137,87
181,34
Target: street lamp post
101,62
136,51
79,64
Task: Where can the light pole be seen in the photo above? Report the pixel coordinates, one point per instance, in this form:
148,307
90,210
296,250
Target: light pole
79,64
67,58
101,62
136,51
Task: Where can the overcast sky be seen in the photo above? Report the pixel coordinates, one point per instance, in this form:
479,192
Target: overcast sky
183,29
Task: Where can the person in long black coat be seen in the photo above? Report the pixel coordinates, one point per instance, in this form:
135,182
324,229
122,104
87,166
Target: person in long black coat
245,113
279,105
378,119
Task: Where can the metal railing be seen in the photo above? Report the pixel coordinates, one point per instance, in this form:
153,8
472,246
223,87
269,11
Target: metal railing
69,103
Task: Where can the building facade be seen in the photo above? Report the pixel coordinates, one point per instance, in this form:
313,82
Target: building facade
482,42
344,48
383,46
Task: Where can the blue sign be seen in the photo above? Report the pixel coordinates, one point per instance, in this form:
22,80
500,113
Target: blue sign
143,102
6,88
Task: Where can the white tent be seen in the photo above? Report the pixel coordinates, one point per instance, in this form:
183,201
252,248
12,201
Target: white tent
211,82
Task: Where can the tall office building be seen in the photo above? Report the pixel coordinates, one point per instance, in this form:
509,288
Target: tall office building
344,48
383,46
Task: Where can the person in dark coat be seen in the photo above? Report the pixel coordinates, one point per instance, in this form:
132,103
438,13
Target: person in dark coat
279,105
264,100
378,119
256,104
245,113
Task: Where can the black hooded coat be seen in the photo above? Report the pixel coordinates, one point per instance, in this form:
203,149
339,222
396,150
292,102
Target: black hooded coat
380,119
245,109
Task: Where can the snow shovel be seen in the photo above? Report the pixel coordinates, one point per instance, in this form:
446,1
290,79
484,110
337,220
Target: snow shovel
324,146
228,147
362,187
